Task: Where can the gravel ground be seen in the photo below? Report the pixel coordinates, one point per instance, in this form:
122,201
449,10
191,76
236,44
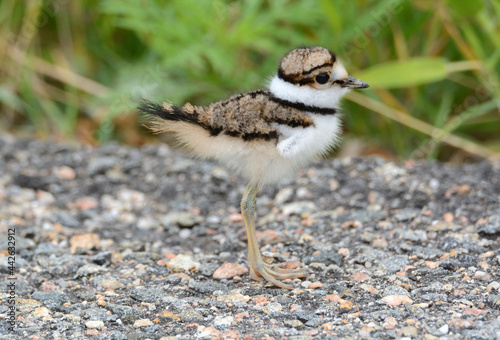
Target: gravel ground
123,243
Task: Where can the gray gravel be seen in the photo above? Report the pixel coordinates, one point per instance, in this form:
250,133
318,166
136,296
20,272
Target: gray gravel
123,243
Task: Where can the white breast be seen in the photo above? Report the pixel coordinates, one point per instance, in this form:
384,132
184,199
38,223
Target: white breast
310,142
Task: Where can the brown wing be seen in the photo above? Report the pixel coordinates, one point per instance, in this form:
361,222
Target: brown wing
251,116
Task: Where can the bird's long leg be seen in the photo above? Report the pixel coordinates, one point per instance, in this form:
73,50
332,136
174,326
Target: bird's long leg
257,266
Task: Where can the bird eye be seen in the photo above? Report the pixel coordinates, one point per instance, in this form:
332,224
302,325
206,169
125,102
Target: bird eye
322,78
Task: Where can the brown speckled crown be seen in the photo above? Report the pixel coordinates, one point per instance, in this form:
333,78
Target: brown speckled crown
302,61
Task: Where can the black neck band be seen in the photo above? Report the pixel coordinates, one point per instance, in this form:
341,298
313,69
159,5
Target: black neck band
302,106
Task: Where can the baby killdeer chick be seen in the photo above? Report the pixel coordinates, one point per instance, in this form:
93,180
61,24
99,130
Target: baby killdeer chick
265,136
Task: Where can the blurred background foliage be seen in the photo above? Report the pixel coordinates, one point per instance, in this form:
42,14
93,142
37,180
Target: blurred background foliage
75,70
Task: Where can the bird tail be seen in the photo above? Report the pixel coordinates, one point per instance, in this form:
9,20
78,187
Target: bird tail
184,127
160,118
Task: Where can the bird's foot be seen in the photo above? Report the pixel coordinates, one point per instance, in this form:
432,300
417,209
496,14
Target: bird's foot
274,273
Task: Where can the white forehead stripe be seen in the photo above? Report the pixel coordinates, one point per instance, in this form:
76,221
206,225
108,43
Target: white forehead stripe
339,71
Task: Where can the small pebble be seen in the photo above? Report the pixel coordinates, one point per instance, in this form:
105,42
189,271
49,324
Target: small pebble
298,208
65,173
480,275
182,219
112,284
305,284
94,324
228,270
360,277
234,297
182,263
444,330
493,286
396,300
223,321
143,323
283,195
86,241
315,285
41,312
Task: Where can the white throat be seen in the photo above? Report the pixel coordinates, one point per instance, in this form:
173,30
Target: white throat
327,98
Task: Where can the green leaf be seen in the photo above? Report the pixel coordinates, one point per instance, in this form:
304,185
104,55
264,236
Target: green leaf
406,73
9,98
333,15
465,8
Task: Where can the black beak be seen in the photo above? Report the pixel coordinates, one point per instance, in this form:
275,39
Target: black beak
354,83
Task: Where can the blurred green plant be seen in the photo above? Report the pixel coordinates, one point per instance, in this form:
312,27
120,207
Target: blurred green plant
79,68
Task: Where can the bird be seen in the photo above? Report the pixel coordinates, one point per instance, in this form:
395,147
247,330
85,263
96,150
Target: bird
265,136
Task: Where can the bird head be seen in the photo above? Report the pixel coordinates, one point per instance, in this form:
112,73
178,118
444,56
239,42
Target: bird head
313,76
